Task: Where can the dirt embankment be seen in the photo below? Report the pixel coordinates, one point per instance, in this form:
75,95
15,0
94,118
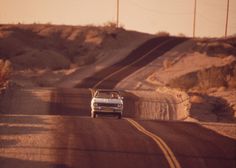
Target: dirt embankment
45,55
205,68
162,104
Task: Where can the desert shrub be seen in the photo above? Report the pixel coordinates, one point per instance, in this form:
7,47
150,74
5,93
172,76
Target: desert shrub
5,69
181,35
212,77
216,47
167,63
44,59
85,60
109,24
232,80
184,82
162,34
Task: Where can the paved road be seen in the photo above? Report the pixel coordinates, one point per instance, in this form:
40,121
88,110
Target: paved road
64,140
110,76
72,141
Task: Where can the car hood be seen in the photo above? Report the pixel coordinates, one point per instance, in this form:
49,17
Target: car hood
111,101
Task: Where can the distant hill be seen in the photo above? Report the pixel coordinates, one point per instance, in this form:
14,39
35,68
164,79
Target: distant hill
55,47
48,53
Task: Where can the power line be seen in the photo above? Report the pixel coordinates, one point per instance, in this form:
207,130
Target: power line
157,11
212,4
196,10
211,19
206,9
208,19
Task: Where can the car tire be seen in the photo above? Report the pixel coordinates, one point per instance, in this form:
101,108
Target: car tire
119,116
94,115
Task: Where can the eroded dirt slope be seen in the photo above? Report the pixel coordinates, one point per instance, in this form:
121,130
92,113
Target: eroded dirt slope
206,69
45,55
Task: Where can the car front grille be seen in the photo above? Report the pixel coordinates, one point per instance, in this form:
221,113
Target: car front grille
107,105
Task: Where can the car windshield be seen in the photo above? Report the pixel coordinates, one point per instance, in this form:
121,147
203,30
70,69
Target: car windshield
107,94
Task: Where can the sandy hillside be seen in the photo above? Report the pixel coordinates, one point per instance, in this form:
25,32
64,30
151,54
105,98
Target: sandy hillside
61,56
49,55
205,68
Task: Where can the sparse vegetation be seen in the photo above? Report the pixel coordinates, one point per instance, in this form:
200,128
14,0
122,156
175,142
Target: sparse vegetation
181,35
110,24
216,47
85,60
5,69
213,77
162,34
167,63
184,82
33,48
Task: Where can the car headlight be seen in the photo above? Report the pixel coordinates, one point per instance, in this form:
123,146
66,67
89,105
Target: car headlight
120,105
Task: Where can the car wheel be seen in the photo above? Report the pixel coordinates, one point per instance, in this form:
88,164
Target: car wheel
94,115
119,116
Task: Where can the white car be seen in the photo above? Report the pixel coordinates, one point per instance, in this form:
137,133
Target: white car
107,102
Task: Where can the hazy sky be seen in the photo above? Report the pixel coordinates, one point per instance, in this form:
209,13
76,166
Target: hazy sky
151,16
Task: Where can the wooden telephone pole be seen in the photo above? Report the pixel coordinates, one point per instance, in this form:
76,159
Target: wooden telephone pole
194,18
227,19
117,12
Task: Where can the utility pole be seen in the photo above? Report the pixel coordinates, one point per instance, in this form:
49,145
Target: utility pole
227,19
117,12
194,18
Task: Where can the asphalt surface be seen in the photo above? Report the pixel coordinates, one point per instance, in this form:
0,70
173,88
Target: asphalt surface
62,135
73,141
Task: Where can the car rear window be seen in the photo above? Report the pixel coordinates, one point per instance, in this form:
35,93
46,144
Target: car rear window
107,94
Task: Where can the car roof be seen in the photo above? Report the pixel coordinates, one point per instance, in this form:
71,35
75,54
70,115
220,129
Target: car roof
106,90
